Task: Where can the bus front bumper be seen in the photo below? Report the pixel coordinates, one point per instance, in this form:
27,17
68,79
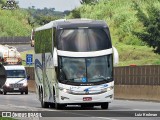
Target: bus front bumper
67,98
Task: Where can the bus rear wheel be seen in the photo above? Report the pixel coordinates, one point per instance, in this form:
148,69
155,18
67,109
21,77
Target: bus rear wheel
4,92
105,105
26,92
43,104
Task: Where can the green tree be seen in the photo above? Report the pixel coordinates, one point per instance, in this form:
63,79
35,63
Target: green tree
151,22
76,13
88,1
2,2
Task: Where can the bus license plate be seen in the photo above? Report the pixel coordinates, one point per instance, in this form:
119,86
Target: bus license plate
16,88
87,99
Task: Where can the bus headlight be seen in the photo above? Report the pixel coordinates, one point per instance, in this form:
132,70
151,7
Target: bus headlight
65,90
7,84
107,89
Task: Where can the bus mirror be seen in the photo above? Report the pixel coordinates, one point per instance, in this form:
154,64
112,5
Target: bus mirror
55,60
115,56
32,43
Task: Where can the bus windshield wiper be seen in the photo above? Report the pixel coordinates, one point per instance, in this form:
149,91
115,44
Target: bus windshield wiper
108,79
68,80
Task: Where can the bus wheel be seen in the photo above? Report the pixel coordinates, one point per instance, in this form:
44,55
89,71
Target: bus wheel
105,105
26,92
4,92
1,92
43,104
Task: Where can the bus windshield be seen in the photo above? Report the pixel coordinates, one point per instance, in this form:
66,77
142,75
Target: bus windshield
86,70
84,39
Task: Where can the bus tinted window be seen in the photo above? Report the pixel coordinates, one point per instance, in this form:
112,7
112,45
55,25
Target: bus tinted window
43,41
82,40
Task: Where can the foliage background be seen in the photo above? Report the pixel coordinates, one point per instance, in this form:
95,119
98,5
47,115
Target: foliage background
120,15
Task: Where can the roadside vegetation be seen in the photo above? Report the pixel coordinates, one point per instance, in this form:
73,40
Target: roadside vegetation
13,22
23,55
134,25
42,16
127,22
6,118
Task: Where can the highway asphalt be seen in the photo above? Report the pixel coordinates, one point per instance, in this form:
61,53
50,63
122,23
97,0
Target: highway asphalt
118,109
23,47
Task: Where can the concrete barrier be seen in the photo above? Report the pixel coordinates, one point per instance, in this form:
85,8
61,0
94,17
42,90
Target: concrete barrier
129,92
31,86
138,92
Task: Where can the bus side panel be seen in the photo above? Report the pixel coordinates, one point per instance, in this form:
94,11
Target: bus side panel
48,67
38,72
48,77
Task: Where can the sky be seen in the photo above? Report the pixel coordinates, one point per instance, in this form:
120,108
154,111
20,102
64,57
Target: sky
59,5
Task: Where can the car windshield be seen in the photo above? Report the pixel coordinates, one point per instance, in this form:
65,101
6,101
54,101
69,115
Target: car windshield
16,74
86,70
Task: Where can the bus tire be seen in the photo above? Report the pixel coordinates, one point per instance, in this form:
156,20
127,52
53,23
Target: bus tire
26,92
4,92
43,104
105,105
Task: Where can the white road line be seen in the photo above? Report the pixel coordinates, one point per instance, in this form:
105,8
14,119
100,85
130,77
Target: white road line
105,118
138,110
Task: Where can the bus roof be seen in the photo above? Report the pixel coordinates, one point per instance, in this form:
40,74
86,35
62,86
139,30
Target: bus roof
73,23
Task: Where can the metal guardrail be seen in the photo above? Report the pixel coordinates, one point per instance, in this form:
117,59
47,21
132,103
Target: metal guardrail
14,40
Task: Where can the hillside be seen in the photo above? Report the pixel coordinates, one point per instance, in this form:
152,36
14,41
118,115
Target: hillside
121,19
119,15
20,21
14,23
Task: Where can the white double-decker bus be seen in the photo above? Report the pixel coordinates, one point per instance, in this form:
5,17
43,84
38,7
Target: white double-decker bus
74,63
